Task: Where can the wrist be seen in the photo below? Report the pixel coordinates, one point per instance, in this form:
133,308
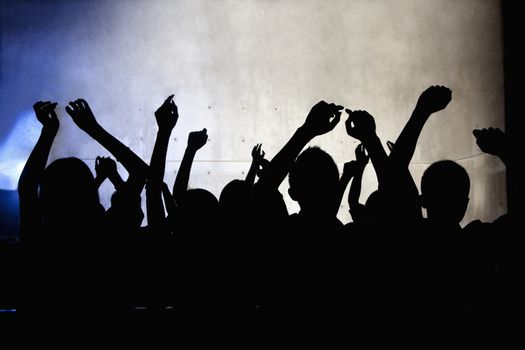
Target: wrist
49,131
346,177
92,129
164,132
304,134
421,113
370,140
361,166
190,151
100,178
116,181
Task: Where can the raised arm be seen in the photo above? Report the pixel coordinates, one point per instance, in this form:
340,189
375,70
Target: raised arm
257,160
100,177
323,118
30,214
432,100
166,115
196,140
83,117
361,125
170,205
356,208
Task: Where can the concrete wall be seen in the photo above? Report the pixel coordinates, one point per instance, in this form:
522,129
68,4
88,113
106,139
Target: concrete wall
249,71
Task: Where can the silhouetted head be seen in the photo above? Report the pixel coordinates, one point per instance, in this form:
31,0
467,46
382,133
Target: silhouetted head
313,181
234,198
445,189
198,209
126,210
69,195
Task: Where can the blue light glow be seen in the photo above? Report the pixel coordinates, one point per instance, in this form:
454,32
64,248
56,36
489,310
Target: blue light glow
15,149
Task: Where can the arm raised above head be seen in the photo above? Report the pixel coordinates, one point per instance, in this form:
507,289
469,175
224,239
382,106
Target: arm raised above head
30,215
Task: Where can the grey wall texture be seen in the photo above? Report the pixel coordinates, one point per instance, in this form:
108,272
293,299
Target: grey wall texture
249,71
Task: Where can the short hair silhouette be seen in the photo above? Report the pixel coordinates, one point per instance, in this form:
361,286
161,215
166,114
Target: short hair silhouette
199,209
234,198
445,187
313,178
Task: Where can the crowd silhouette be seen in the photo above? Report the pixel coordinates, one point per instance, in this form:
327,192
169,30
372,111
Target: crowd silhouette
245,251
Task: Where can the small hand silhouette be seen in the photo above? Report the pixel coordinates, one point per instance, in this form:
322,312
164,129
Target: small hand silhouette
105,167
82,115
257,154
46,115
323,117
197,139
434,99
167,114
491,140
360,125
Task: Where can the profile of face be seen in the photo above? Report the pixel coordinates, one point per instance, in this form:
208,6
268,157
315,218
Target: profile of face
445,187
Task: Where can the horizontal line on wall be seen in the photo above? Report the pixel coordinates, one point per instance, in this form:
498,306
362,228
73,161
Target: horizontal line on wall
249,161
455,160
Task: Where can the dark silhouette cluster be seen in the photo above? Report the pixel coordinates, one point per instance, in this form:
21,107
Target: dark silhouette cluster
244,251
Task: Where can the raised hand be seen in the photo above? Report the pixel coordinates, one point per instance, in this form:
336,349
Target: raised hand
105,167
167,114
46,115
323,117
197,139
82,115
361,156
360,125
434,99
257,154
263,164
492,141
255,167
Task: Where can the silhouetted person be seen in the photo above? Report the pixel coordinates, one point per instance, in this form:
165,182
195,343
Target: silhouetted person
115,262
304,242
497,245
59,212
467,263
